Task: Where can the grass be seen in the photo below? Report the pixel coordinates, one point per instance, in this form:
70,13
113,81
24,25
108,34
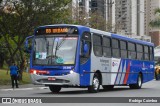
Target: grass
5,78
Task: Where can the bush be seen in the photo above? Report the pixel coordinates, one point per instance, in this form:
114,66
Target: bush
5,78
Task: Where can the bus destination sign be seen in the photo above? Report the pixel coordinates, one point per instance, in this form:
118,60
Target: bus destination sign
57,30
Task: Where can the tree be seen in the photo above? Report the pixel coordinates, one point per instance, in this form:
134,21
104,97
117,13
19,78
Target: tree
156,22
19,18
93,19
97,21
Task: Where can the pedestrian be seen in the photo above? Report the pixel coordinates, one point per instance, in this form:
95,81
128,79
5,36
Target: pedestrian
14,74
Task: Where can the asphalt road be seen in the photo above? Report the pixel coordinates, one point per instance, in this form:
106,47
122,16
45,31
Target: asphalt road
150,89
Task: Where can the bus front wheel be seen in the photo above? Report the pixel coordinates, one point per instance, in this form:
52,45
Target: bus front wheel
54,89
138,85
94,88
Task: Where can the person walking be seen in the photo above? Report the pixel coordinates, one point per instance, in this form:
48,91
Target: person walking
14,74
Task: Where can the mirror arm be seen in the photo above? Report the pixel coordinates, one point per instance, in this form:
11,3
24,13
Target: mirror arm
26,44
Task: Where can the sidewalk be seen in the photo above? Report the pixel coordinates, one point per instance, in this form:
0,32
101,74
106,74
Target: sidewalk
21,86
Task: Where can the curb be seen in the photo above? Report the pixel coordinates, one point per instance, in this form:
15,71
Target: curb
21,89
20,86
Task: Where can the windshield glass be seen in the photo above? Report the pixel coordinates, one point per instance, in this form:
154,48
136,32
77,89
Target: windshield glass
49,50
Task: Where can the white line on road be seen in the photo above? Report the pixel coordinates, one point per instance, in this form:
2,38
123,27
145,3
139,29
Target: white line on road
21,89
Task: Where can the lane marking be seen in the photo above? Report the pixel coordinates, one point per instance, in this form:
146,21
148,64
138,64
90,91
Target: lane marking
23,89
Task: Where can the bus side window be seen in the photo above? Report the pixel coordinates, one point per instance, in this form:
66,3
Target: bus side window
132,51
115,48
123,49
151,53
146,53
107,47
97,45
139,48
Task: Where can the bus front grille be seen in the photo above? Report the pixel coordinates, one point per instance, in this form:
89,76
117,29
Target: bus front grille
53,81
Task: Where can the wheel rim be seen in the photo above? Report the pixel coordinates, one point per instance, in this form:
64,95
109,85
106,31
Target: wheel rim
95,83
139,81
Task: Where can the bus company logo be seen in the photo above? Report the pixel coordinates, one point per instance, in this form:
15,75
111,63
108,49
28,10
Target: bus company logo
6,100
114,64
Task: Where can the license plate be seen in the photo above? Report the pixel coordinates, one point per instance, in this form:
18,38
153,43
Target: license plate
51,78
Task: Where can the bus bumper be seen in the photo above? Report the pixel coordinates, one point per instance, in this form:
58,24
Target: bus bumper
66,80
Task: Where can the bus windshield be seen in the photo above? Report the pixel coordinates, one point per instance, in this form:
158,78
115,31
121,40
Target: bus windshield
51,50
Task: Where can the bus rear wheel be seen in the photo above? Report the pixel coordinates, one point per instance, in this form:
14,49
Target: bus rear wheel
94,88
138,85
54,89
108,87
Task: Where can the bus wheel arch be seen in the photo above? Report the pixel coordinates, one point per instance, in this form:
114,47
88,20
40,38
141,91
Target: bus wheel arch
96,82
100,76
139,83
141,76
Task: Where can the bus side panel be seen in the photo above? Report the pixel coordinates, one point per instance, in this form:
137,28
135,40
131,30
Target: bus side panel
135,68
85,73
146,68
103,65
116,70
121,71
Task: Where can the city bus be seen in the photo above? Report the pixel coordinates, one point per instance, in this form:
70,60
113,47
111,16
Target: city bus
65,55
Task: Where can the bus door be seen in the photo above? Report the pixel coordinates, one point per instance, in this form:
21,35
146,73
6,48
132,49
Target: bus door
85,61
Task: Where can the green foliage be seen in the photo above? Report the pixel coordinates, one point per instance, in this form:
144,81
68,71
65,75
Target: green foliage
19,18
156,23
93,19
6,80
97,21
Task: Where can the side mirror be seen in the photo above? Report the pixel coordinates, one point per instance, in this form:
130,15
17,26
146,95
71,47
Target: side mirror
28,47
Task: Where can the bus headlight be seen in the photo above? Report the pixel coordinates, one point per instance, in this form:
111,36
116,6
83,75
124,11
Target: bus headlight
34,72
71,72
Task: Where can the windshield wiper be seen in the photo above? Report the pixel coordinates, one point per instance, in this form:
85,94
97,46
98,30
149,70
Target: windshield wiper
60,44
52,50
62,41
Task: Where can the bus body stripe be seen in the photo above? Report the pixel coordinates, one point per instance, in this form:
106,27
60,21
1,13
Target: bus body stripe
123,74
118,73
127,74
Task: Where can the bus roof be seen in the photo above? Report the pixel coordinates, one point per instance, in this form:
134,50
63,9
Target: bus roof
131,39
121,37
100,32
78,26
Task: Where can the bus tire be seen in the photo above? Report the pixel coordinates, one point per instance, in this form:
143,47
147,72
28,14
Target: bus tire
94,88
138,85
108,87
54,89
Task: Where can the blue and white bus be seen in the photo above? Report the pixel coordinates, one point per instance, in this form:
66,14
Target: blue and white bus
66,55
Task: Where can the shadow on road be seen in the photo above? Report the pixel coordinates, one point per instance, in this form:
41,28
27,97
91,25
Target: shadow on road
84,91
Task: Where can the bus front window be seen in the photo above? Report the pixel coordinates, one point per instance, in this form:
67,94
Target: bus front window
54,50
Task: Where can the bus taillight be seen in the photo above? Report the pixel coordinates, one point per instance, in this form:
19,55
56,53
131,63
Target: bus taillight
32,71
